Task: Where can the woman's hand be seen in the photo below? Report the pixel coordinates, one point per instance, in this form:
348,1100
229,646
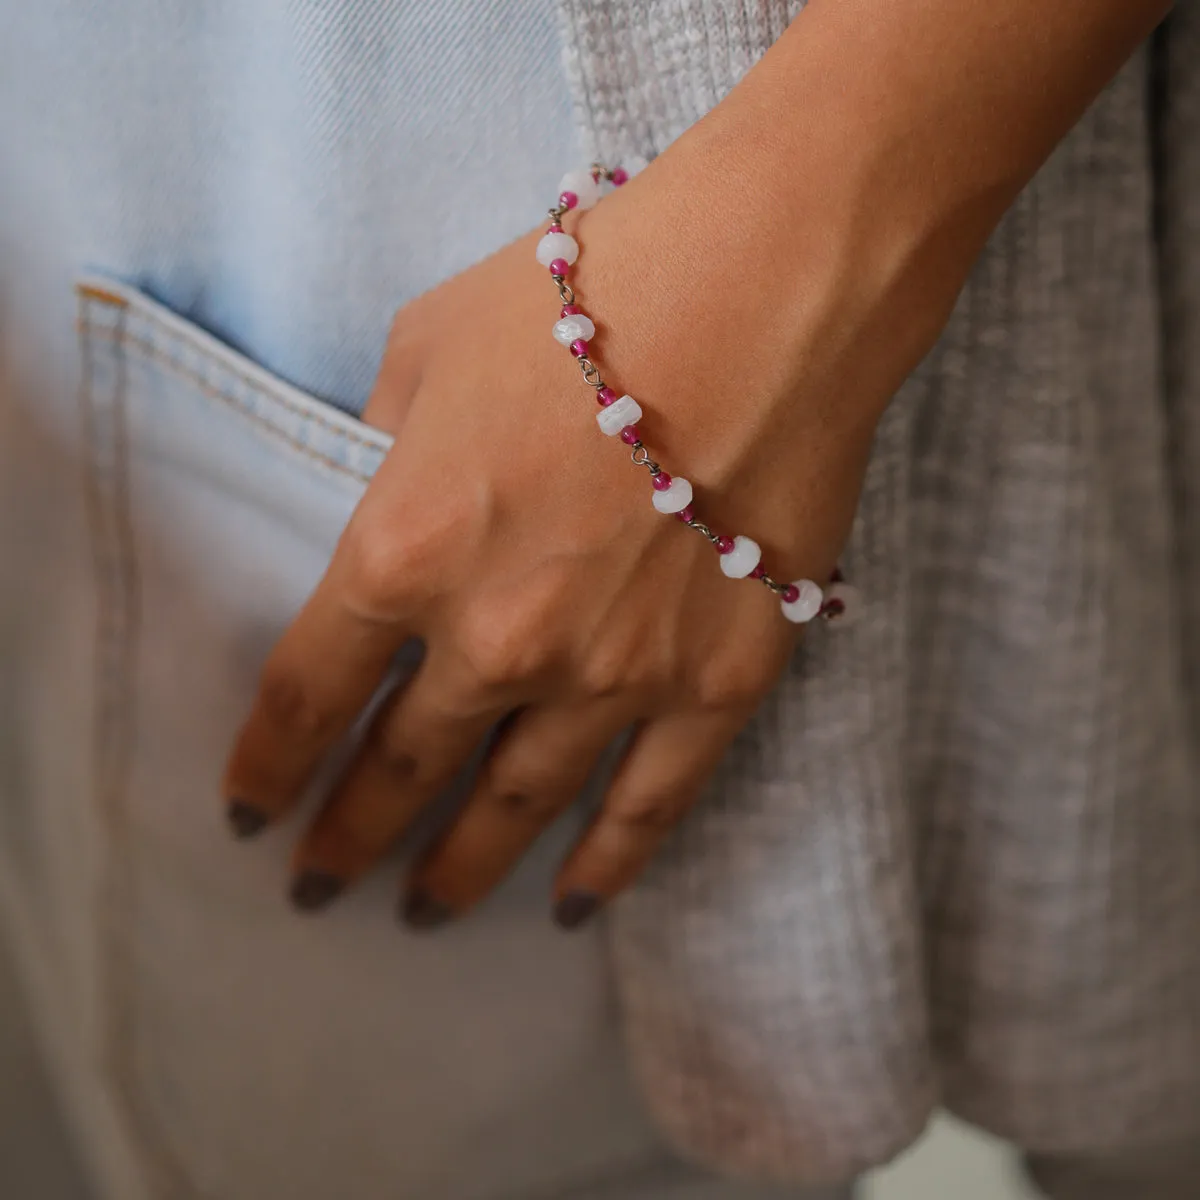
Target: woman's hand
520,545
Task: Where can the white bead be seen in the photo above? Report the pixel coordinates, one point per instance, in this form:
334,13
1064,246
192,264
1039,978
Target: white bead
852,601
621,412
742,559
675,498
557,245
807,605
571,328
583,185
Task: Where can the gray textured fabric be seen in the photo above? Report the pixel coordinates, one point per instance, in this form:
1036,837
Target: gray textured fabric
957,856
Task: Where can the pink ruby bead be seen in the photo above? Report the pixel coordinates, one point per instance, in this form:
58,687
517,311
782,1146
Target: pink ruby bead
790,594
686,515
555,228
559,266
620,176
568,199
630,434
605,396
570,310
661,481
758,572
579,347
724,544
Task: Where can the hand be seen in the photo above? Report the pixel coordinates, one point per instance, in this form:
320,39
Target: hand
519,544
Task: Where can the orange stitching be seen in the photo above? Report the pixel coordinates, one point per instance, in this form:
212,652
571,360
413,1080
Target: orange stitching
87,292
181,335
153,352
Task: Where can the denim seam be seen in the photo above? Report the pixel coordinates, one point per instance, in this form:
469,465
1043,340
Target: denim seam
114,548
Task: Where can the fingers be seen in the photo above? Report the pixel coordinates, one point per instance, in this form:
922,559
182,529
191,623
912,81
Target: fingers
535,770
316,682
667,765
417,744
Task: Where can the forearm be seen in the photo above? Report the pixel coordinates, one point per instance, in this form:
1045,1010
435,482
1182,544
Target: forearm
929,110
861,165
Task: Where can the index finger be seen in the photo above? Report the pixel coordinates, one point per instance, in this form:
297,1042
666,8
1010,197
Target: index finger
317,680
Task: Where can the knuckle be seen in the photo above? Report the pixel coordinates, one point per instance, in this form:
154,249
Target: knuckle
376,568
388,564
732,684
613,669
521,802
499,649
290,704
652,812
525,780
395,755
605,675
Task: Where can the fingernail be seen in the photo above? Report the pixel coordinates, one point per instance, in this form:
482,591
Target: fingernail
245,819
312,890
422,911
575,909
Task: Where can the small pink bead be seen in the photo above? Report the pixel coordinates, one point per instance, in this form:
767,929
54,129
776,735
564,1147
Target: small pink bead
724,544
630,434
570,310
790,594
579,347
559,266
555,228
661,481
568,199
620,176
686,515
605,396
758,572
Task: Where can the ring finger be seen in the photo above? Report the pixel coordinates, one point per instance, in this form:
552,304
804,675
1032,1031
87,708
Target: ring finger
536,769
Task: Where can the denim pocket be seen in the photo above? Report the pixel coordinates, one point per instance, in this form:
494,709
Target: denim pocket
216,493
253,1054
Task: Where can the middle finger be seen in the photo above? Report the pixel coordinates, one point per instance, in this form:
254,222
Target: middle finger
417,743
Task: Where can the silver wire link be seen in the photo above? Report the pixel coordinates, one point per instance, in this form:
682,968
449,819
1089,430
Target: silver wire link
591,372
645,460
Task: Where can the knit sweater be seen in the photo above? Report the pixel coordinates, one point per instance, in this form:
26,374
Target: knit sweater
956,856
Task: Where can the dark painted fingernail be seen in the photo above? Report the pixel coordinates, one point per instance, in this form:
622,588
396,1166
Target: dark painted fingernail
245,819
423,911
575,909
313,890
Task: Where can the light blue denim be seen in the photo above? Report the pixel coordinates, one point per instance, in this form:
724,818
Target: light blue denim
285,174
282,175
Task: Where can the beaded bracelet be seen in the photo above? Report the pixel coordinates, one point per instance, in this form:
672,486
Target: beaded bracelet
740,557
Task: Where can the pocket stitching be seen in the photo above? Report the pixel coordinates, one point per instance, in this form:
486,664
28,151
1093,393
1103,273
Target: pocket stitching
152,351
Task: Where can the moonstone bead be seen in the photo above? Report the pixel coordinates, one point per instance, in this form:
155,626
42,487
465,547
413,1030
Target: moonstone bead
742,559
675,498
557,245
573,328
625,410
807,603
586,189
